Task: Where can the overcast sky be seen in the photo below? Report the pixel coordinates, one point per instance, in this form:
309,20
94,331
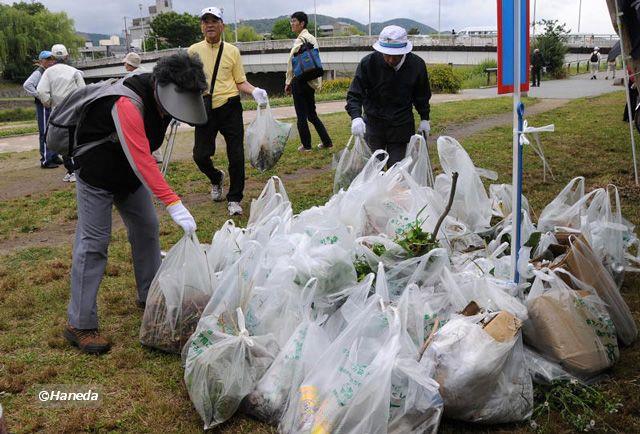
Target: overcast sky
106,16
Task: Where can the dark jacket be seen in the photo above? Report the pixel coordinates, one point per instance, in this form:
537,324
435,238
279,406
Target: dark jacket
536,60
388,95
106,166
630,10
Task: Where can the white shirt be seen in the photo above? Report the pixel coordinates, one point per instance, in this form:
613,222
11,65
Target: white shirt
399,65
57,82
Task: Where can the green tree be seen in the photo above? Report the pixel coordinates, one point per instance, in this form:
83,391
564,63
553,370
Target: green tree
25,30
248,34
178,30
552,43
413,31
282,30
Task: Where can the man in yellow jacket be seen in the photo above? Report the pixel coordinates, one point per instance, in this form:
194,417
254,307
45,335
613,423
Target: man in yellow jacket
224,111
304,99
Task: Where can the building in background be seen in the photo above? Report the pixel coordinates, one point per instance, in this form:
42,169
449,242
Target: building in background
141,25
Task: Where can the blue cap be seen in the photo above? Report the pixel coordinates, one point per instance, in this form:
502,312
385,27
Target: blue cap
45,55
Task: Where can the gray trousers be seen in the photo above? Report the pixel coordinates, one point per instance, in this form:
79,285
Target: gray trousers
93,233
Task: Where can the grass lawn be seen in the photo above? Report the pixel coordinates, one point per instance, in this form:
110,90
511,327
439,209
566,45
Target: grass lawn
143,390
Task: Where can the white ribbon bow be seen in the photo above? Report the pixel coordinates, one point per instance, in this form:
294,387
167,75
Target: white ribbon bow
537,147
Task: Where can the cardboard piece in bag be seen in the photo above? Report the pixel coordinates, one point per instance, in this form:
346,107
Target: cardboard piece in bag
503,327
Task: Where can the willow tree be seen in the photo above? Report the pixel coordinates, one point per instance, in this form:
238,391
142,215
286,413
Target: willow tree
25,30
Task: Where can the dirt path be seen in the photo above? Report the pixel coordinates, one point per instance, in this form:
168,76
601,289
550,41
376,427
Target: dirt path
21,179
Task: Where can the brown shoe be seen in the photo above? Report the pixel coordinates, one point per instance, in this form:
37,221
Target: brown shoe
89,341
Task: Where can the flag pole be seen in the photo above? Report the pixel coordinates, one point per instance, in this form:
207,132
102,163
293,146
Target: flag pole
518,113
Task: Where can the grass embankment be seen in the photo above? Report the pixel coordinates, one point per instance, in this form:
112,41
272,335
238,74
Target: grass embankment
143,389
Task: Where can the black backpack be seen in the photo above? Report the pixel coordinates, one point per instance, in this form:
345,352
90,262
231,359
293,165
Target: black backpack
594,57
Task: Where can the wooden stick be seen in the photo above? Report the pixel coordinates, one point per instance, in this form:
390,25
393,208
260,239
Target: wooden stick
452,193
434,329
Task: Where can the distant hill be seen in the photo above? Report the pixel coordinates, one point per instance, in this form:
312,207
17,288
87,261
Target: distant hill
265,25
93,37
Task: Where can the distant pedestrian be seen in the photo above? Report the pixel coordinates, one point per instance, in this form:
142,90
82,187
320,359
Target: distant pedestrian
48,159
56,83
611,68
133,64
304,99
594,63
537,63
388,82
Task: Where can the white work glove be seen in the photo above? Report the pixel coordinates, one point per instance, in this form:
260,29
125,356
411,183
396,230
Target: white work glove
425,127
260,95
358,127
182,217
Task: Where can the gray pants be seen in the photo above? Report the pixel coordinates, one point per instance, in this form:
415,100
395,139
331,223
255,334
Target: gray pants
93,233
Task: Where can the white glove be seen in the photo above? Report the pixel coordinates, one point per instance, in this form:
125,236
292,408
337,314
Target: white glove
358,127
182,217
425,127
260,95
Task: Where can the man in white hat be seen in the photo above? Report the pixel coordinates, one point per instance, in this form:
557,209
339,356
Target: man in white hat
56,83
594,62
225,80
133,64
388,82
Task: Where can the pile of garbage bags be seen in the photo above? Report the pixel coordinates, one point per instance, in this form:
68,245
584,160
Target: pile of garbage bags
384,309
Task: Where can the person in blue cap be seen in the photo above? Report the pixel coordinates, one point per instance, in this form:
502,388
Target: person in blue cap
48,159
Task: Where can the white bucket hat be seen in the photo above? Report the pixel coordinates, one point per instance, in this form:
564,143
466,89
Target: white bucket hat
133,59
393,40
211,11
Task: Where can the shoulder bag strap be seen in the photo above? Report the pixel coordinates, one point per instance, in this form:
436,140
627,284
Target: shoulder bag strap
215,69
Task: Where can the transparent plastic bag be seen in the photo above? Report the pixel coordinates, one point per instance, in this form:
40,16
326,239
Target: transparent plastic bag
561,211
222,368
349,389
570,327
502,200
425,307
273,201
294,362
177,297
420,168
226,245
481,379
265,139
350,163
542,370
471,204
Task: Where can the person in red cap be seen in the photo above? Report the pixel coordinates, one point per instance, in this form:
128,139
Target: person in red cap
387,84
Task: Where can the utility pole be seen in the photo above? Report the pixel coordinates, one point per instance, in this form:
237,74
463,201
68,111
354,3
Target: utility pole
439,17
315,19
535,2
369,17
235,18
126,34
144,49
579,15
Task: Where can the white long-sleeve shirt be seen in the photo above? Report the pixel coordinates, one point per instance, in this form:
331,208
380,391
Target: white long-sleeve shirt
57,82
303,37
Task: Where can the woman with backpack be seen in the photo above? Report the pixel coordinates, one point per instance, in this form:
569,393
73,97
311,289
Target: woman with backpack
594,62
121,126
304,92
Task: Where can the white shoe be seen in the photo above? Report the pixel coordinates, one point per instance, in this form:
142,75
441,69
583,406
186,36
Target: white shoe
217,189
69,177
234,208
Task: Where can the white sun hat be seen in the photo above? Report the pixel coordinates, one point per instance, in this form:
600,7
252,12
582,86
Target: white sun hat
393,40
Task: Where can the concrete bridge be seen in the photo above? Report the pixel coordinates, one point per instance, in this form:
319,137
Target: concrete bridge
265,61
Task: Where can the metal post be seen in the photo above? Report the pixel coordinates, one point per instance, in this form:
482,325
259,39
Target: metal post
315,19
535,3
518,111
439,17
235,19
626,86
126,34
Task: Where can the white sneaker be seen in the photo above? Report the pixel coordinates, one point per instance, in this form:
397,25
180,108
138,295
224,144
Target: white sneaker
234,208
69,177
217,189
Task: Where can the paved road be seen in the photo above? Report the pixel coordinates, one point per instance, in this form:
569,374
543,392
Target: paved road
572,88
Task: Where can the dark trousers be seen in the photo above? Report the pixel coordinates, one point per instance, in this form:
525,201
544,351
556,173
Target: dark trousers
393,139
304,101
536,75
227,120
633,96
42,116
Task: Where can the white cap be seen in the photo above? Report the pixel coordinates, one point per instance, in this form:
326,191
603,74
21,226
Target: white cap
393,40
133,59
59,51
212,11
596,48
